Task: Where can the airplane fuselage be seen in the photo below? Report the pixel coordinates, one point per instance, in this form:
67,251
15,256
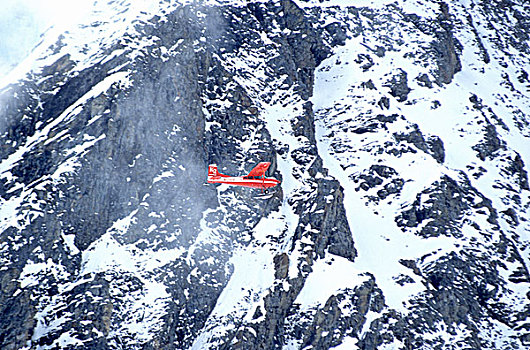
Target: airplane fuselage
245,181
255,178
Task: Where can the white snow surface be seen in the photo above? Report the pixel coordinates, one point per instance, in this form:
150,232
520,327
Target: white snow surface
24,22
323,282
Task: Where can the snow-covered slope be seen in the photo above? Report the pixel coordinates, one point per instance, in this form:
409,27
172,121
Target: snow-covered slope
399,129
434,172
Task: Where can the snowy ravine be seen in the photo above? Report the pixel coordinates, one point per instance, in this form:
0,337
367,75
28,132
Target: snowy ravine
400,131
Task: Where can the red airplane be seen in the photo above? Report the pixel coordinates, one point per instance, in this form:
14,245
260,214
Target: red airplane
255,179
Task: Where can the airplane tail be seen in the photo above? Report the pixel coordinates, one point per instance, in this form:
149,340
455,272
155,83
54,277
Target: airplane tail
212,170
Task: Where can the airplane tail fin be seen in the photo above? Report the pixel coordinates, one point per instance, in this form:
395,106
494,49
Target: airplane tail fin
212,170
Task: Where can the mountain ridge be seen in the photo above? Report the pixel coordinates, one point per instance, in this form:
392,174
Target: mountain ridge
398,131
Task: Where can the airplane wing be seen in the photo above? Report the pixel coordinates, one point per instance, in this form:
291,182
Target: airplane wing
260,169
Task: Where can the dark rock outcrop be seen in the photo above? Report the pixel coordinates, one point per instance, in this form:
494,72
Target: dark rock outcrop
441,209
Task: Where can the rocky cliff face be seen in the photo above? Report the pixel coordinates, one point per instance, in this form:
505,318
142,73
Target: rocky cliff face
399,131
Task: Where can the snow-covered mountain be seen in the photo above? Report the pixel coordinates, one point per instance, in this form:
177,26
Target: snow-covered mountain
401,133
